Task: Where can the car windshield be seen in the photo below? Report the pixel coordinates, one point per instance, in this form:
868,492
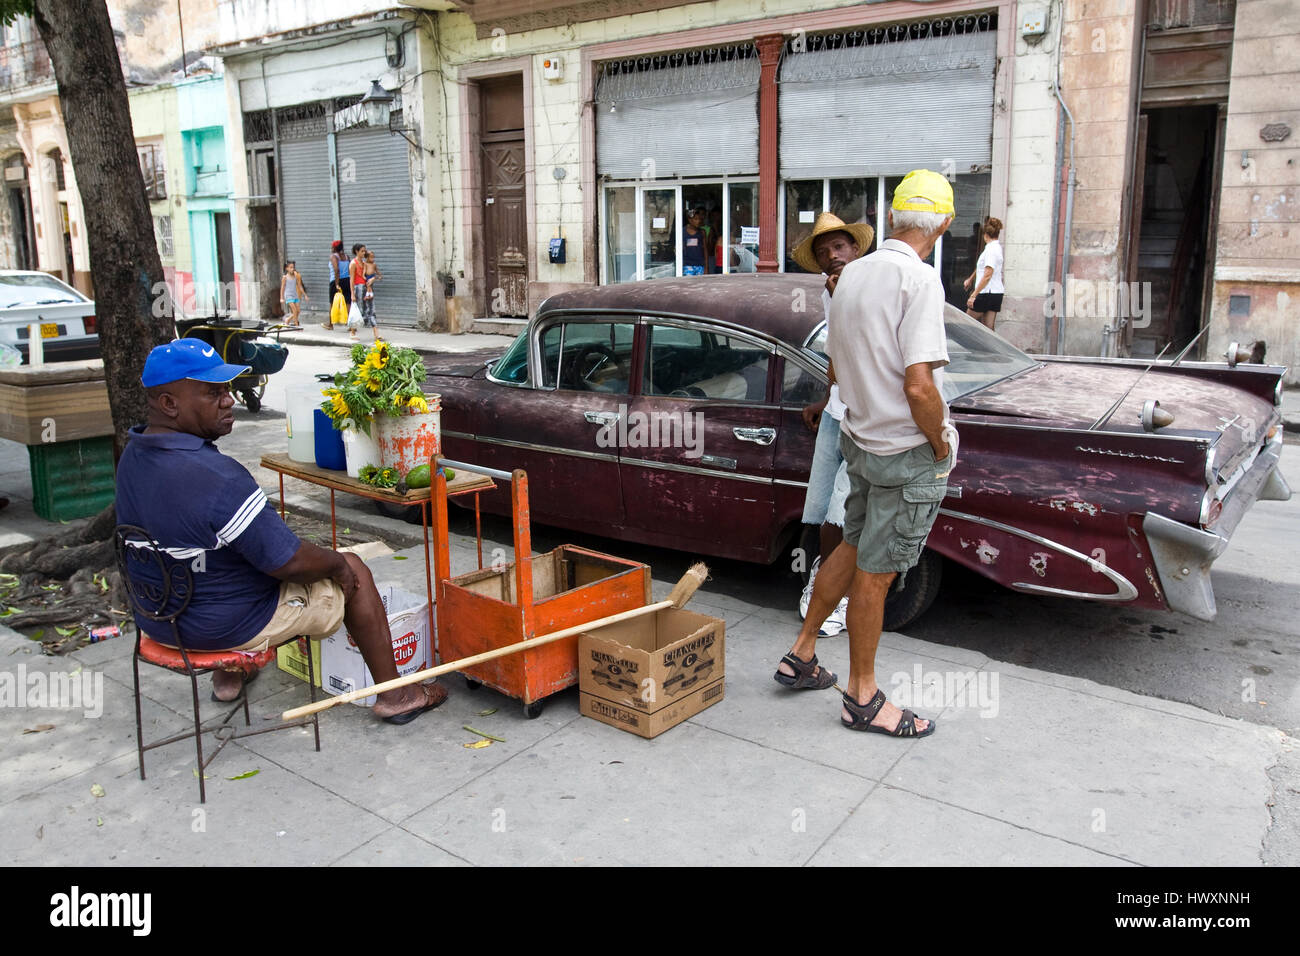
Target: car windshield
512,368
977,357
18,290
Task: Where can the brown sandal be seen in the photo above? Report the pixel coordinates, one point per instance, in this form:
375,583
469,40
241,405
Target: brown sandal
862,715
807,675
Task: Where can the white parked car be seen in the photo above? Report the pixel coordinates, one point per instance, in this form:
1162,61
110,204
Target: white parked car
65,318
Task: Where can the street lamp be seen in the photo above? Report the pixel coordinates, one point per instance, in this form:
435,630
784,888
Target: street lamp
378,104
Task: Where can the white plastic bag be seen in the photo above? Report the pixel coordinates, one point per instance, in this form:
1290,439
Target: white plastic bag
354,316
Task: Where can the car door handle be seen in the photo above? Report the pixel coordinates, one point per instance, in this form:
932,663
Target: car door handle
759,436
728,463
601,418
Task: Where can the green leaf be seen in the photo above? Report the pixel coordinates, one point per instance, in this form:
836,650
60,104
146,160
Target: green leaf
49,587
68,631
37,635
99,821
486,713
499,740
96,790
399,557
11,610
245,776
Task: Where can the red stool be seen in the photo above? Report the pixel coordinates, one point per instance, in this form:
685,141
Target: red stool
161,591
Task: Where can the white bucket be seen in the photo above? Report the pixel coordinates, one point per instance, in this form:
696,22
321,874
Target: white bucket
299,422
406,441
359,450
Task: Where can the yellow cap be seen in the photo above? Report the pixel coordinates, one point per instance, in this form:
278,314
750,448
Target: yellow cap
924,191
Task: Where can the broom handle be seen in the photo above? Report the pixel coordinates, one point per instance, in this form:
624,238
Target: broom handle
418,676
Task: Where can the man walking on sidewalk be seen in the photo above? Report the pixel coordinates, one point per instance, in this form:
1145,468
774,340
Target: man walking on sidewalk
885,342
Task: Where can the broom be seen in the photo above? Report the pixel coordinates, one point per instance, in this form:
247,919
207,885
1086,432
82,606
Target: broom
682,592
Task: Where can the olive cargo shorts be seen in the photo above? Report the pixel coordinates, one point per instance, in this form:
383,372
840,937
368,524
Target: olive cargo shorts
893,501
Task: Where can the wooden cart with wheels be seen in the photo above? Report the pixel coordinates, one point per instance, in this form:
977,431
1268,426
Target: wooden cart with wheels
534,594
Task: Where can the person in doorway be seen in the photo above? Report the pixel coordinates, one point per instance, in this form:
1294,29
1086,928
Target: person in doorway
338,281
371,275
292,291
261,585
885,340
695,254
832,245
985,300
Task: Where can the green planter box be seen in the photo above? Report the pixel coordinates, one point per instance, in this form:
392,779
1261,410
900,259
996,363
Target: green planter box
72,479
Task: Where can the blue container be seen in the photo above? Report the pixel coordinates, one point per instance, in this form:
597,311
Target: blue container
329,443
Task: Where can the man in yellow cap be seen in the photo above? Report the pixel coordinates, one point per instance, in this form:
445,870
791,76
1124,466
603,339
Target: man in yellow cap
886,342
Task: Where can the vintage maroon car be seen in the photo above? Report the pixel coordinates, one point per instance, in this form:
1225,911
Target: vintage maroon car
668,412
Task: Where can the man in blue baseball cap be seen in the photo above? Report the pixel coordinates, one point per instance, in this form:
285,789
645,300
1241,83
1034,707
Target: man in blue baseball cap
256,585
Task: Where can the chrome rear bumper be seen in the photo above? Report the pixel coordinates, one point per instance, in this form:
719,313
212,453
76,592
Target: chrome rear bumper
1183,554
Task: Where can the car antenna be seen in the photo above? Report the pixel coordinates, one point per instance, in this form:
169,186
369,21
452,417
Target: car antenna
1187,348
1120,401
1189,345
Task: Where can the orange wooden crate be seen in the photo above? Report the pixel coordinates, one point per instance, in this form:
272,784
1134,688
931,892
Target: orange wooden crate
496,607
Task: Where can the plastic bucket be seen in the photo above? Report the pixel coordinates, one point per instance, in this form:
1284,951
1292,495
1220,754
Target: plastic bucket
359,450
329,443
300,423
412,439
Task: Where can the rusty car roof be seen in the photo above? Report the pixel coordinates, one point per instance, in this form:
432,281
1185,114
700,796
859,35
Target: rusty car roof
765,303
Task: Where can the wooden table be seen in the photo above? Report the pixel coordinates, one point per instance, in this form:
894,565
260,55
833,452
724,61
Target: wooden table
465,483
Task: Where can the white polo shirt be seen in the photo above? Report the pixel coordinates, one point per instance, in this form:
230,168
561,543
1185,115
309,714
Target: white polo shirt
887,314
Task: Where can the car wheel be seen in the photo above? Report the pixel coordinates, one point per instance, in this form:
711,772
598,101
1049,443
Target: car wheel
920,588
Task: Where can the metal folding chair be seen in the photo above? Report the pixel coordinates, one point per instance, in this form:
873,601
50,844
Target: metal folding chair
160,588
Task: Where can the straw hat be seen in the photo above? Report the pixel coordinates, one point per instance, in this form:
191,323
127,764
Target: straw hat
829,222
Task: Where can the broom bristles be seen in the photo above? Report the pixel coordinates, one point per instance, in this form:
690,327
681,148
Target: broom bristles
690,582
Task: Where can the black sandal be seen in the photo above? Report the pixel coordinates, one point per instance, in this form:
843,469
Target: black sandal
862,715
806,674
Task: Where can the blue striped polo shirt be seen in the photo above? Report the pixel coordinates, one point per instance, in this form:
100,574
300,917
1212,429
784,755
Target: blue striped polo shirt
204,508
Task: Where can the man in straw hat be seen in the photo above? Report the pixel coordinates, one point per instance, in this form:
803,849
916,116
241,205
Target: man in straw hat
885,342
832,245
256,585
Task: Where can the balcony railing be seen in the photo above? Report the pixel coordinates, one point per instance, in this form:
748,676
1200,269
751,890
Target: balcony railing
25,64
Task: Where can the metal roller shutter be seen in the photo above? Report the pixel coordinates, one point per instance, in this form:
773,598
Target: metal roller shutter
887,108
308,220
693,120
375,200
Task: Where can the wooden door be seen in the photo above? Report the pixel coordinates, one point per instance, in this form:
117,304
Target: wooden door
505,240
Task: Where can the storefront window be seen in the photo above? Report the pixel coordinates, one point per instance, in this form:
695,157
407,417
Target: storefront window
739,255
659,226
803,201
855,200
620,234
644,226
963,243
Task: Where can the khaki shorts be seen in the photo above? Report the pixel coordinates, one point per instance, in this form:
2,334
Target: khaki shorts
893,501
315,610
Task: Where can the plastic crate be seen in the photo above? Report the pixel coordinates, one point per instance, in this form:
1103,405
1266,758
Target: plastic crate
72,479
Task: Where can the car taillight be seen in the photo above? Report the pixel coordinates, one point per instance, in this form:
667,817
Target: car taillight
89,323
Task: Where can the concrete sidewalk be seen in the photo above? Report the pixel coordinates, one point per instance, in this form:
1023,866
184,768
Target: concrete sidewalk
1026,767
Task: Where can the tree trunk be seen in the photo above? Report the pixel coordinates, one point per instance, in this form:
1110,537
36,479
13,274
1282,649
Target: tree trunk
132,314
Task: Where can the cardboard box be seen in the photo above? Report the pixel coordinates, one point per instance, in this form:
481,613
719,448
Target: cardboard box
291,657
342,667
649,673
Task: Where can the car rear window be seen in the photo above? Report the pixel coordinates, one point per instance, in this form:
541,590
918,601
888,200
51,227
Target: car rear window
18,290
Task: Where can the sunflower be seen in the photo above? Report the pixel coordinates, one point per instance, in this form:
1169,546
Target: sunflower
339,404
377,357
417,403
